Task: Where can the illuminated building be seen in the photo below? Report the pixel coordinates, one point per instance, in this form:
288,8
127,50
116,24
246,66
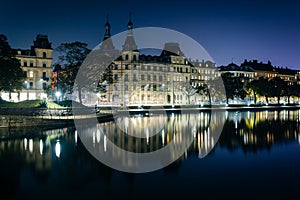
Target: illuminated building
168,78
36,64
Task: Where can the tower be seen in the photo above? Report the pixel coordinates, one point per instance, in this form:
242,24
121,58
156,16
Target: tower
129,50
107,44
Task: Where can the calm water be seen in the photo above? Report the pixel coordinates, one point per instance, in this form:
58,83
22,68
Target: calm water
257,154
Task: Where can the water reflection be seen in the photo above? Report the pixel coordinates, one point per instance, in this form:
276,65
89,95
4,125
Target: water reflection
56,159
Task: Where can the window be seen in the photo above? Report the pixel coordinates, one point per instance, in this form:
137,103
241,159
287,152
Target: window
126,87
116,76
187,70
25,85
126,57
116,67
44,86
160,78
25,63
134,57
115,87
154,77
134,77
30,85
143,67
160,68
154,88
44,54
148,87
31,74
25,74
142,77
31,63
44,64
149,77
126,66
44,75
126,77
154,68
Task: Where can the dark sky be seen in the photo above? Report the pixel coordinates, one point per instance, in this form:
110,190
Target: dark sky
238,30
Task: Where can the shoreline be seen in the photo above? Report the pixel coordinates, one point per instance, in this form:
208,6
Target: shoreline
18,121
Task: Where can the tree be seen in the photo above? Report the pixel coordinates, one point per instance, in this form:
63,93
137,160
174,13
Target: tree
252,88
188,90
71,58
278,87
234,87
11,74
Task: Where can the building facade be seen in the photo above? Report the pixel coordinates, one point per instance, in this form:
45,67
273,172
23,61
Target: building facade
168,78
36,64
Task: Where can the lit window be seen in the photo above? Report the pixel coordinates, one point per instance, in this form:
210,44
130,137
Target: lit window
31,74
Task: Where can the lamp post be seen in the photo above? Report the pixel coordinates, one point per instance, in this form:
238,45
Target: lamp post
58,94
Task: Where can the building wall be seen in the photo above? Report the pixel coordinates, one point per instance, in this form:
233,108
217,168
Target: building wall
37,72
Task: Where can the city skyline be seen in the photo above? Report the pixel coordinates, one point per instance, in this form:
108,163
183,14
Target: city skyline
231,31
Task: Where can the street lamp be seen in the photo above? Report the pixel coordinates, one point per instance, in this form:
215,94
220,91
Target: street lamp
58,94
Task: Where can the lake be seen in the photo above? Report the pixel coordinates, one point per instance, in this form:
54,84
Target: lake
230,154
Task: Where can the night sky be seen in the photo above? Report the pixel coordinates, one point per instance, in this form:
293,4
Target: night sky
228,30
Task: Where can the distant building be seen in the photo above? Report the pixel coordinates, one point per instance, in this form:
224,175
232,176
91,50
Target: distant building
245,72
36,64
261,69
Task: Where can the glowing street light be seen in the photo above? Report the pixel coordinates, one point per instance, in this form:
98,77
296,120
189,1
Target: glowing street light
58,94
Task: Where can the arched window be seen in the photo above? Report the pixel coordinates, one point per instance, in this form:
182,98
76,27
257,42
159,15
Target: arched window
126,57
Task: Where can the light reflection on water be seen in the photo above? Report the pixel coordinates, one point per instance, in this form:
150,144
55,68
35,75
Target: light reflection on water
56,159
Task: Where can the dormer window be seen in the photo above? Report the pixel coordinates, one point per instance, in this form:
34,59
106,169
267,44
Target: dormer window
44,54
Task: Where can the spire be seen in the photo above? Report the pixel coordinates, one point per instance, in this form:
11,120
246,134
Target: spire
129,44
107,29
107,44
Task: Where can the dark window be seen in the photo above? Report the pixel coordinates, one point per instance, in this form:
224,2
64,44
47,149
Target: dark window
126,77
149,77
44,86
134,57
44,64
116,76
116,67
31,63
142,87
30,85
25,74
25,63
115,87
44,54
154,77
134,77
44,75
154,88
160,78
126,66
126,57
126,87
187,70
25,85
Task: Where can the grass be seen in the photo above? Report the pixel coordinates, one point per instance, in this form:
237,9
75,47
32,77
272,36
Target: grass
27,104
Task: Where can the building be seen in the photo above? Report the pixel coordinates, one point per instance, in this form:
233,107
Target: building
168,78
245,72
36,64
260,69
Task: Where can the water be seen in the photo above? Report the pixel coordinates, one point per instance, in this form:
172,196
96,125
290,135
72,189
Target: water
256,155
